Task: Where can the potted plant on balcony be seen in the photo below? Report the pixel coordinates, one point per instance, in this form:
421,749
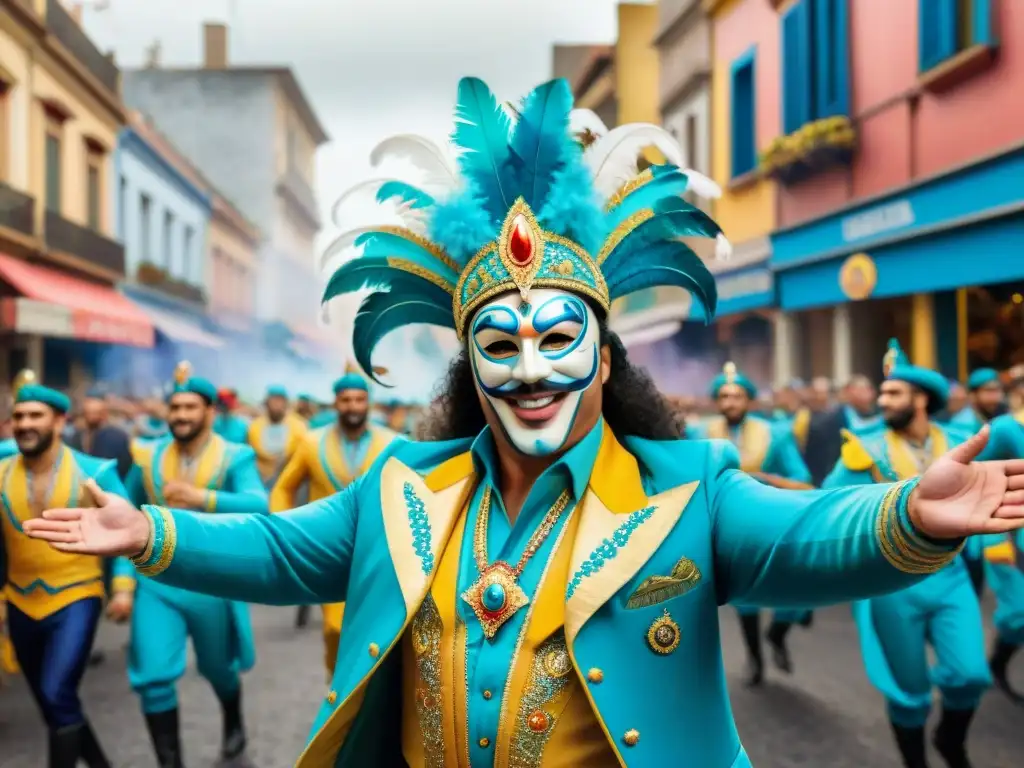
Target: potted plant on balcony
815,146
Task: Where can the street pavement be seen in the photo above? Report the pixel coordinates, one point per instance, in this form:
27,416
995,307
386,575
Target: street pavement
825,715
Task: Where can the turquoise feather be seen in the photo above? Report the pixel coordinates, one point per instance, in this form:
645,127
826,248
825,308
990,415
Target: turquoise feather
383,313
539,141
407,193
636,247
482,133
655,276
364,272
389,245
663,186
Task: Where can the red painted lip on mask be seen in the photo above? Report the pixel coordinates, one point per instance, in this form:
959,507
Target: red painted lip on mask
536,417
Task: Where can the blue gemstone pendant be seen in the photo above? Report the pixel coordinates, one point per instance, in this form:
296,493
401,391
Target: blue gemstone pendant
495,597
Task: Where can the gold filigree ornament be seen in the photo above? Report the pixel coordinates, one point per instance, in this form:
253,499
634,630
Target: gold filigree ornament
663,635
889,361
521,246
730,372
657,589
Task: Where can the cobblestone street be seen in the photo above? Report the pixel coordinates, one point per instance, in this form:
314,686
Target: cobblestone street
826,715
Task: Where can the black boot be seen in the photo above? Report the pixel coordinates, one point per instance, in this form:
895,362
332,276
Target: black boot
776,637
65,747
1002,652
751,626
92,752
234,742
96,658
302,617
166,738
950,737
911,744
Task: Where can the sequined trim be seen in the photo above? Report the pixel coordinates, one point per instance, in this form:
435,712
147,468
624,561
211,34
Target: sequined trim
608,548
535,720
163,537
627,189
901,545
422,272
426,642
428,245
419,524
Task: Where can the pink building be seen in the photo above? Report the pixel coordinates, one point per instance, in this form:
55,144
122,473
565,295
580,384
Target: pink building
900,202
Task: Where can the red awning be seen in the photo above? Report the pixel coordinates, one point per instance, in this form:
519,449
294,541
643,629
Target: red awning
57,304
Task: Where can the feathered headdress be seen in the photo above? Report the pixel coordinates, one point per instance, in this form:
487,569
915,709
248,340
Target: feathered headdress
527,203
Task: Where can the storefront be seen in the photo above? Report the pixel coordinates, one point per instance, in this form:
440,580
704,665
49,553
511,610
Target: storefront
62,326
937,264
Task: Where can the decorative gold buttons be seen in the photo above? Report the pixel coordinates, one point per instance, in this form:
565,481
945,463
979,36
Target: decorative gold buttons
374,650
484,742
663,634
487,695
537,721
595,675
332,696
632,737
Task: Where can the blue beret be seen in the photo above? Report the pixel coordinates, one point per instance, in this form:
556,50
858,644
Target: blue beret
730,375
981,377
351,381
196,386
276,390
897,367
37,393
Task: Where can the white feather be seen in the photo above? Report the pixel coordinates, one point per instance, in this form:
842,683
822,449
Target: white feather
360,202
427,156
613,157
581,120
342,243
702,186
723,248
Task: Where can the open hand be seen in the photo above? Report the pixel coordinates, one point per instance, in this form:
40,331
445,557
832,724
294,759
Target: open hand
182,495
119,608
110,529
958,497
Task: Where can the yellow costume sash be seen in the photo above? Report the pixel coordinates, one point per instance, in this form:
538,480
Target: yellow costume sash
754,441
901,455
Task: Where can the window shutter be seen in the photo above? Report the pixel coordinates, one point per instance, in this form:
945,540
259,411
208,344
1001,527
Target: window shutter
831,58
936,30
744,116
982,28
796,67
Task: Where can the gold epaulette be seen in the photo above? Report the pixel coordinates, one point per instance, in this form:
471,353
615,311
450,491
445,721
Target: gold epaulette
855,456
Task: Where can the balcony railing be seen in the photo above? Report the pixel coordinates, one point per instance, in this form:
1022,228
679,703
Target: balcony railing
66,236
68,32
297,188
17,210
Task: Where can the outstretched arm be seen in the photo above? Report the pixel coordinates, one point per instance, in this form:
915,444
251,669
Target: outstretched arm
245,492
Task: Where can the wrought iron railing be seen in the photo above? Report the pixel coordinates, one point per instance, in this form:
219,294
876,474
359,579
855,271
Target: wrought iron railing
17,210
85,243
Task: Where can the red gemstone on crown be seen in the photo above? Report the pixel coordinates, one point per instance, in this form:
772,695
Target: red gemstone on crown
520,244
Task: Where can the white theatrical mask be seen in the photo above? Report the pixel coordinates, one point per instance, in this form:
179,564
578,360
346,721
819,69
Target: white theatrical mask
533,360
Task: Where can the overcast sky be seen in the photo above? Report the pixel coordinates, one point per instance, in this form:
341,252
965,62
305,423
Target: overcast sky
371,68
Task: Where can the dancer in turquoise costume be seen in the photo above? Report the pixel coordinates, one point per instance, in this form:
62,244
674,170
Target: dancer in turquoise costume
197,470
54,599
942,610
540,584
227,423
767,451
985,394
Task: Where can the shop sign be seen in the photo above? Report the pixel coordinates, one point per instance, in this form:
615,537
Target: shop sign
858,277
878,220
735,286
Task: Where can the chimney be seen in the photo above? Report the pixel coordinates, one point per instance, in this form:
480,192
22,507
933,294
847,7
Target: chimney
215,46
153,55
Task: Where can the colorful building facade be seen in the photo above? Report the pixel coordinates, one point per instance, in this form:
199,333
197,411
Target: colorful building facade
899,178
60,114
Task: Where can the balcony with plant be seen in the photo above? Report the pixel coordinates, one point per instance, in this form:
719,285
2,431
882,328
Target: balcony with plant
816,146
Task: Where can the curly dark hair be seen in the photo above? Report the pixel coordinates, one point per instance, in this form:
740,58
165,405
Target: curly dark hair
631,405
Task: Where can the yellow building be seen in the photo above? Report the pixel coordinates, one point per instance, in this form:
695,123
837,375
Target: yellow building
60,113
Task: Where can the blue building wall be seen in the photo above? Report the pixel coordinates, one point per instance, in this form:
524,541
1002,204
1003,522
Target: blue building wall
143,174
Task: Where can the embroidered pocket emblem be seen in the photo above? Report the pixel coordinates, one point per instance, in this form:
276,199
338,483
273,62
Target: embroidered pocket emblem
657,589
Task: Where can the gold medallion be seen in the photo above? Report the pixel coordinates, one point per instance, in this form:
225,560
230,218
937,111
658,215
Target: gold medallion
495,597
663,635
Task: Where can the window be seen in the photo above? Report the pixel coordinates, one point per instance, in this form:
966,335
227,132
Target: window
122,202
815,62
145,228
166,239
93,192
186,254
5,128
53,171
947,27
744,135
690,137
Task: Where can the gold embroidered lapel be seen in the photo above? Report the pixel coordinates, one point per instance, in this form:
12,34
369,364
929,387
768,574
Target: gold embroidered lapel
419,515
620,528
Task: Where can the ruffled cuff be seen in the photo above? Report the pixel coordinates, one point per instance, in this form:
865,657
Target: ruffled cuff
903,545
162,540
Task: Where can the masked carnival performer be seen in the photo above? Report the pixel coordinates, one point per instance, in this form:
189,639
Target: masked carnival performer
330,459
943,609
54,599
543,587
275,435
767,450
196,470
227,423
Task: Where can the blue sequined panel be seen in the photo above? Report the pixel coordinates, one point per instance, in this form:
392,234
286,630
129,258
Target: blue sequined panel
608,548
419,524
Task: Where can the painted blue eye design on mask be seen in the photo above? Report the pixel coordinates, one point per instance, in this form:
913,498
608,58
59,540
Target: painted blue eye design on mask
502,319
553,312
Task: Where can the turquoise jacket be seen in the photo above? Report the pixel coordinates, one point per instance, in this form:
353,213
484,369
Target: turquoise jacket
228,471
231,427
652,506
1006,439
966,419
8,447
323,419
764,445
